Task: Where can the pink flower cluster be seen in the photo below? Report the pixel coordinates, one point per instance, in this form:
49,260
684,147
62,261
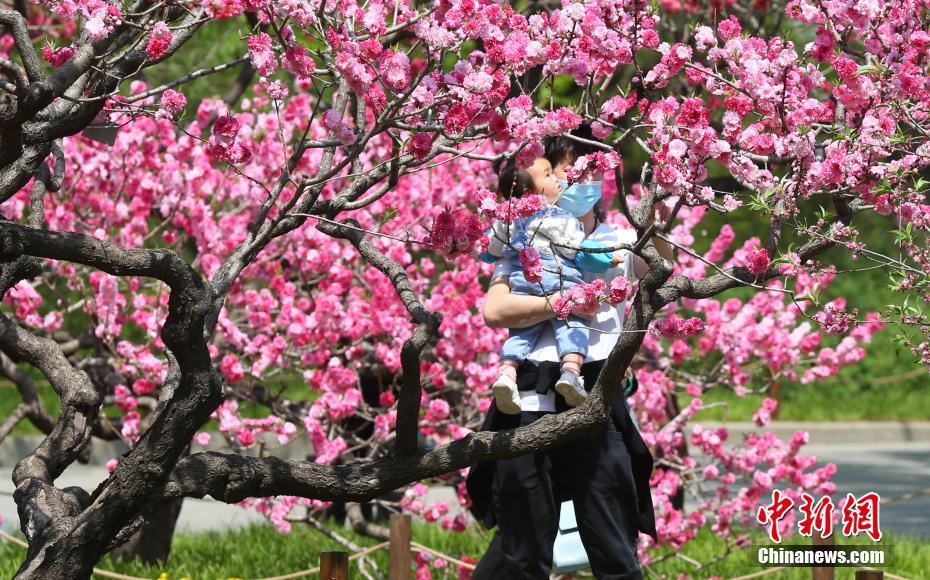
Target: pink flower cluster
834,319
598,162
585,297
758,260
226,144
58,56
245,433
159,41
455,233
532,264
99,17
674,326
763,414
262,54
173,101
509,210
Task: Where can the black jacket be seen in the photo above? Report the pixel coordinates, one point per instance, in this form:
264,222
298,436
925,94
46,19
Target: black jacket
539,378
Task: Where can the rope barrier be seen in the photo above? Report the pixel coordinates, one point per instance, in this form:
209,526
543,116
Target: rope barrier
13,539
300,574
758,574
441,555
905,496
316,570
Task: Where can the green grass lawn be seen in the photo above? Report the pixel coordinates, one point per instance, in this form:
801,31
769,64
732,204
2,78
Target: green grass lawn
259,551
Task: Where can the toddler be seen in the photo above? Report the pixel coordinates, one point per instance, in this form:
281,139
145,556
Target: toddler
555,234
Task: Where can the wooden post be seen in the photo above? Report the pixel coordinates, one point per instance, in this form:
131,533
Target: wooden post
776,394
818,572
334,566
869,574
401,532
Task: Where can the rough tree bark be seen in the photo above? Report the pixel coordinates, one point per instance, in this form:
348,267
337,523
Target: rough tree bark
152,542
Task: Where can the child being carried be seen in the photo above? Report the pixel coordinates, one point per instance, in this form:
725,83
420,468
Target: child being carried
557,236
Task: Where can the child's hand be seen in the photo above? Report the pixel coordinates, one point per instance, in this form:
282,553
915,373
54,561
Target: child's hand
616,260
586,313
583,311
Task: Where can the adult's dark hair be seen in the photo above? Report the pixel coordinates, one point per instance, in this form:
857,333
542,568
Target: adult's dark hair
562,147
513,181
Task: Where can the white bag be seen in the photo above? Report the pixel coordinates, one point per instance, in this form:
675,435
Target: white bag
568,553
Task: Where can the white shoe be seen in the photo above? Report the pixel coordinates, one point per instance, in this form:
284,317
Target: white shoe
571,386
506,395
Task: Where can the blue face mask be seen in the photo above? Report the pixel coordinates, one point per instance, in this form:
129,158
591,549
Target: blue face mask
579,198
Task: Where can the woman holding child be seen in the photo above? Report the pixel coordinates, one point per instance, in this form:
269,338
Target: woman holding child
545,370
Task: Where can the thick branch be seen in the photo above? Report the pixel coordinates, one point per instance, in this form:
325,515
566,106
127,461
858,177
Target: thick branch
231,478
16,24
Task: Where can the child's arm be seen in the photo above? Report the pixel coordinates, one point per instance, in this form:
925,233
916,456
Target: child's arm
597,262
563,230
501,234
495,251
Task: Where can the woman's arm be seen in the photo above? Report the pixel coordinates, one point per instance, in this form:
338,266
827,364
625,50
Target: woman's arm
505,310
640,267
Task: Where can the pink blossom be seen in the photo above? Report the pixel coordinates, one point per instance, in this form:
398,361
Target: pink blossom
420,145
692,113
173,101
232,368
580,297
159,41
763,414
730,203
456,233
395,70
298,62
262,54
438,410
617,290
729,28
675,325
143,387
834,319
57,57
528,155
790,268
757,260
386,398
276,89
532,264
883,205
617,106
226,129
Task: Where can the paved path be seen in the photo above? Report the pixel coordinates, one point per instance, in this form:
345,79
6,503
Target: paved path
890,469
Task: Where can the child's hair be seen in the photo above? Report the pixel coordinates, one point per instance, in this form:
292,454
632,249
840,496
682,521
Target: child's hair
513,182
563,148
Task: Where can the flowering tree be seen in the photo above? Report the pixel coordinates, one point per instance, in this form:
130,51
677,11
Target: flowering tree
321,233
